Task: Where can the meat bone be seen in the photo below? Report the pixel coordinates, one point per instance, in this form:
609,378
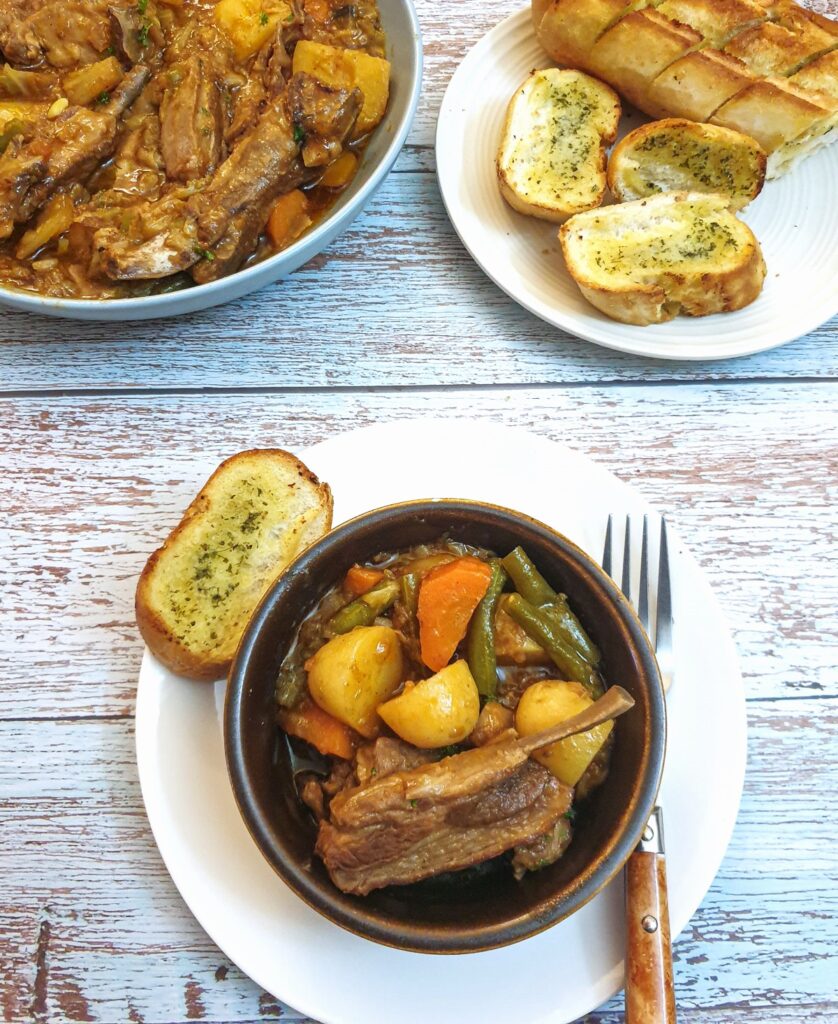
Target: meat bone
613,703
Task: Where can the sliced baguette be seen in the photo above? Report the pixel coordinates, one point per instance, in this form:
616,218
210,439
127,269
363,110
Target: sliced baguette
662,58
197,592
551,160
676,155
679,252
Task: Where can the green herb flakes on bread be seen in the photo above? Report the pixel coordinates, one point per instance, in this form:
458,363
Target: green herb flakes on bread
678,252
676,155
551,160
197,592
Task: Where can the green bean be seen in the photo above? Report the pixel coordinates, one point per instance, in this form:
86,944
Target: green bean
528,581
480,640
538,625
290,685
364,610
571,628
409,592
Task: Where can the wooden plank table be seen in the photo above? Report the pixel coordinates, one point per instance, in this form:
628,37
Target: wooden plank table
105,433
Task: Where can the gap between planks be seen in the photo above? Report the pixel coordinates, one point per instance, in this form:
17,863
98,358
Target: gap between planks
385,389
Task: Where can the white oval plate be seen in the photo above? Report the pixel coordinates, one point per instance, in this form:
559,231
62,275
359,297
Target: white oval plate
552,978
795,219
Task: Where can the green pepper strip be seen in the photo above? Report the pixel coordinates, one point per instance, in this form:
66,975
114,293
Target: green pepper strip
480,640
528,581
364,610
537,624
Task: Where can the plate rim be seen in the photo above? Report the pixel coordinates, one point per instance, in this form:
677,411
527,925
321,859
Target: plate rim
569,322
609,982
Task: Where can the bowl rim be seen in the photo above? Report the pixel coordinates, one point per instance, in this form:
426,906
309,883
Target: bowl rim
258,275
405,936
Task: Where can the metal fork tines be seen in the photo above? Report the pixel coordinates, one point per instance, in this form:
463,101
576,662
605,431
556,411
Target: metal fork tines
658,629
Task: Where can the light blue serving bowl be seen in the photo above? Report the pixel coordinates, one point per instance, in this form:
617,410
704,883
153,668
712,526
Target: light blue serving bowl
404,50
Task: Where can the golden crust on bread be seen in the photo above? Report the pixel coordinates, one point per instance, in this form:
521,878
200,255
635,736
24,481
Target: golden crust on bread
697,84
645,262
715,20
551,158
677,155
197,592
819,79
632,53
568,29
772,111
773,49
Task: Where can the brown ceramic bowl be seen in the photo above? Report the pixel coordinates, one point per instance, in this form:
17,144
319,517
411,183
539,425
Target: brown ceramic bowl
466,911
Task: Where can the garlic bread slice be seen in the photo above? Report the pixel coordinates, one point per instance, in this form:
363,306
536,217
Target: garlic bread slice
676,155
196,594
679,252
551,160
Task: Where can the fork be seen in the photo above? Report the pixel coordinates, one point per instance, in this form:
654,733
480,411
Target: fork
649,990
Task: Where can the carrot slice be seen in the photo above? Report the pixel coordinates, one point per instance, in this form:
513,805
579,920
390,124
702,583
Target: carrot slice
361,578
447,599
314,725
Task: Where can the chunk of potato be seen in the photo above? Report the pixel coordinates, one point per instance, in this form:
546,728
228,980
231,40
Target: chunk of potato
437,711
547,703
355,672
249,24
345,69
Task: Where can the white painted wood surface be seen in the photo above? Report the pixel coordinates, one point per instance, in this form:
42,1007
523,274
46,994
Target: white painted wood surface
105,434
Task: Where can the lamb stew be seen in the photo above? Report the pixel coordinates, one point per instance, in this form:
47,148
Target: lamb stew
152,145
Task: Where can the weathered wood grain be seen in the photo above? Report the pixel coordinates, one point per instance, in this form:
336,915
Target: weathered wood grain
98,932
337,322
94,485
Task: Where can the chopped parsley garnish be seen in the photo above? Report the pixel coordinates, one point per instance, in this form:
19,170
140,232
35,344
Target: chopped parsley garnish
142,6
299,134
263,18
204,254
142,33
103,98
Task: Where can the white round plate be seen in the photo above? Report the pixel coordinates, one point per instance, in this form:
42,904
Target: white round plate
555,977
794,218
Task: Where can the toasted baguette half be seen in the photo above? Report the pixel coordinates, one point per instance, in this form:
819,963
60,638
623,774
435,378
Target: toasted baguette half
679,252
551,160
676,155
197,592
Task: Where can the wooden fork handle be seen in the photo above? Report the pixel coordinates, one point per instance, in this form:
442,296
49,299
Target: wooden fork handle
650,993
